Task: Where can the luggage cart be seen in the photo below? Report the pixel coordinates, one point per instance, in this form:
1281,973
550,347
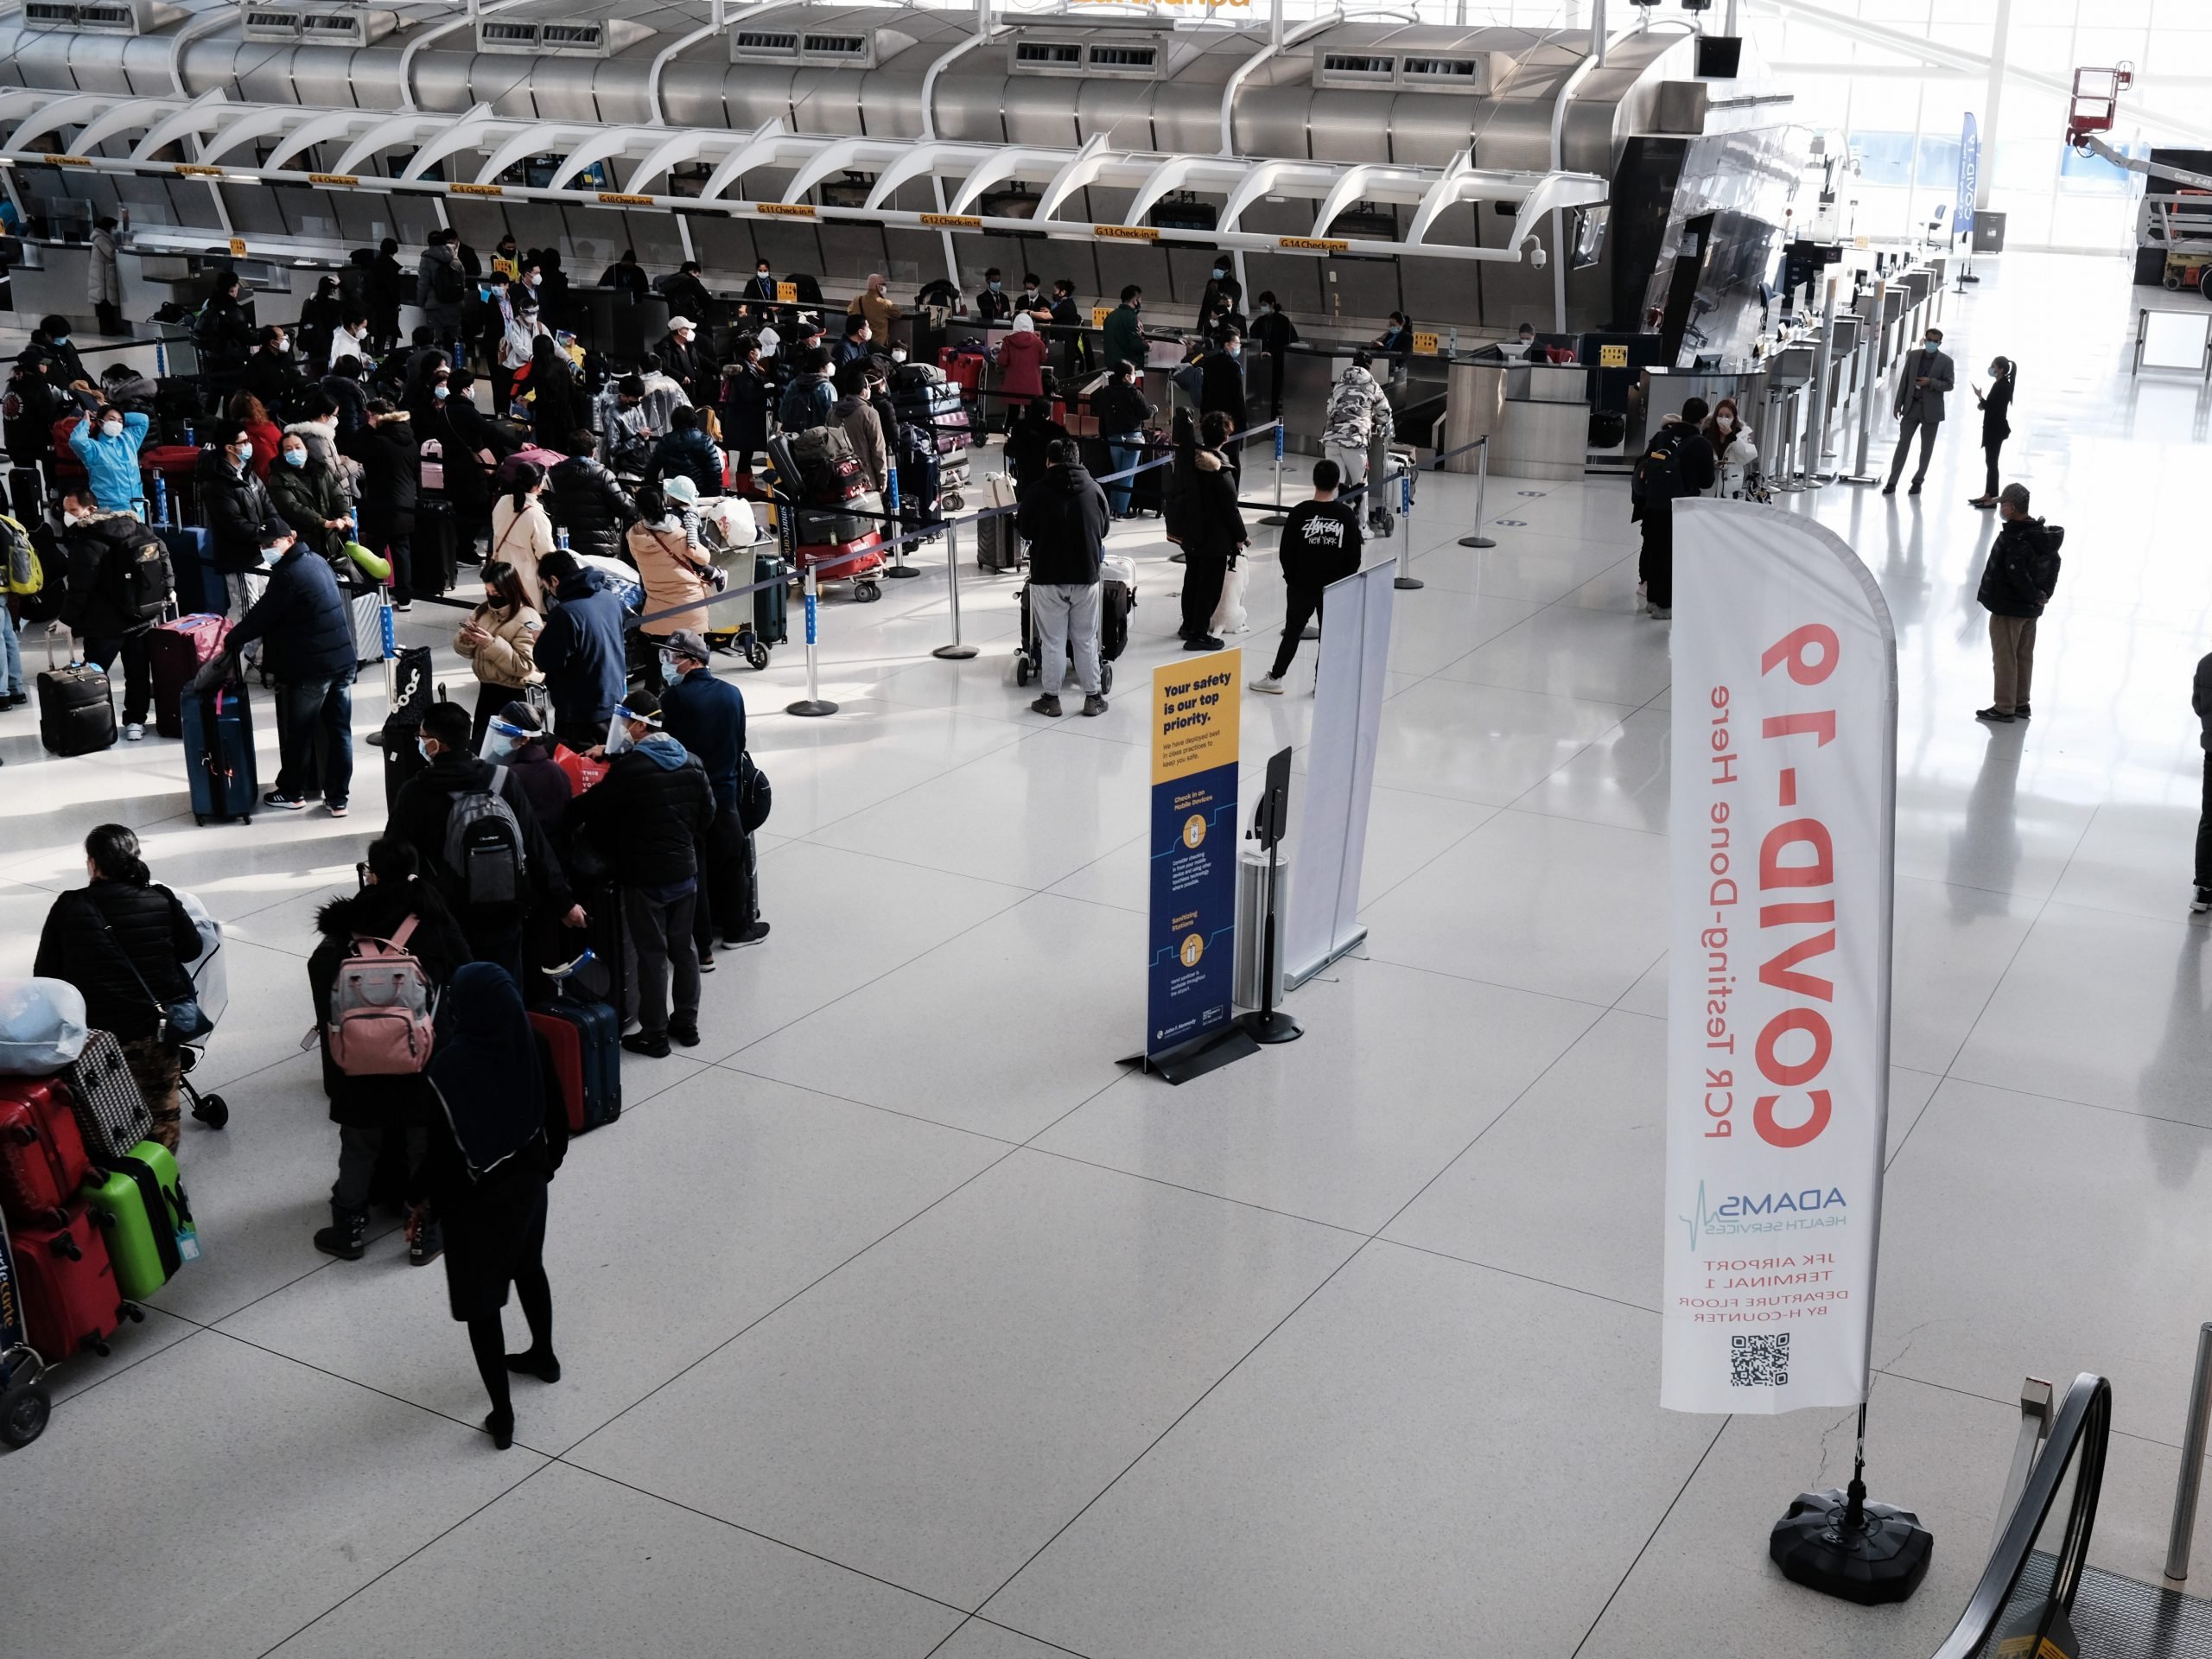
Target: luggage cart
24,1402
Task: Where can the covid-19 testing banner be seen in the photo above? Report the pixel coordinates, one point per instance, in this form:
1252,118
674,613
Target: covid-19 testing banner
1783,814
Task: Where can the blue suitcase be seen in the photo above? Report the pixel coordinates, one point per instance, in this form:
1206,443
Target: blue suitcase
598,1031
192,562
218,753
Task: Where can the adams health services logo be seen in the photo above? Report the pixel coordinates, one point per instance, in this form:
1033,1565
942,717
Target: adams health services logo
1739,1213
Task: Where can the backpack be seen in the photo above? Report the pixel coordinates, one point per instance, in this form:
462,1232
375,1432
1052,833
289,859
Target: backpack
143,579
381,1008
2043,568
446,285
25,575
1658,474
484,844
754,797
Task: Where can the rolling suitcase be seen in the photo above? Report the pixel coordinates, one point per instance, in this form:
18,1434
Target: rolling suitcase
70,1300
42,1157
413,691
998,547
177,651
26,494
219,764
76,707
111,1111
772,604
200,586
437,547
128,1202
585,1038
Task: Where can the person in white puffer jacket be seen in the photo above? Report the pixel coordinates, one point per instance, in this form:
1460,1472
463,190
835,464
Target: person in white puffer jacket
1356,409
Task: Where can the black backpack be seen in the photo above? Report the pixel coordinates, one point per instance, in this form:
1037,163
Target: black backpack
143,581
1659,471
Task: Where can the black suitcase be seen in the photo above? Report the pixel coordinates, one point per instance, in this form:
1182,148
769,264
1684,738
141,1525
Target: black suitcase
771,605
26,494
1148,488
1113,619
997,546
200,586
76,707
437,547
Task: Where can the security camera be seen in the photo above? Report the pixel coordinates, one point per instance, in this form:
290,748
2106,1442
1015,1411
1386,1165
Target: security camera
1537,258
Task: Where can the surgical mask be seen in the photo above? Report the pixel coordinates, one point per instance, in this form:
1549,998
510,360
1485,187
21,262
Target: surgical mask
61,339
270,555
74,518
1269,306
532,280
1930,343
1220,271
296,457
441,393
671,666
245,454
1725,422
898,353
1234,351
280,347
422,748
992,285
111,428
763,271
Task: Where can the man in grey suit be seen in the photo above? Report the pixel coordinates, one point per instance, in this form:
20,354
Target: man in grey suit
1919,404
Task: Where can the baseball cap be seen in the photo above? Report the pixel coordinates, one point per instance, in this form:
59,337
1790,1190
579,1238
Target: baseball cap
686,643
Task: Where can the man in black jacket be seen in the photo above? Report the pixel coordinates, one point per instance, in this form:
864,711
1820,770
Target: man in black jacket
118,581
391,474
2016,584
706,715
1320,544
1121,410
1677,461
308,649
235,504
1221,382
1064,519
647,817
422,810
685,360
589,503
273,377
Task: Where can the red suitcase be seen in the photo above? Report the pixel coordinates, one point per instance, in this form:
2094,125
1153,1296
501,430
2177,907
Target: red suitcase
42,1158
177,652
70,1298
964,369
566,1044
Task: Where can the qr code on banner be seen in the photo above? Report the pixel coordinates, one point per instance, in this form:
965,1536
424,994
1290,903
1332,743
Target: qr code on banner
1759,1362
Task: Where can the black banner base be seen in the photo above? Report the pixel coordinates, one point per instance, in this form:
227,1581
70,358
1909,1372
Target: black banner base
1196,1058
811,708
1273,1027
1845,1547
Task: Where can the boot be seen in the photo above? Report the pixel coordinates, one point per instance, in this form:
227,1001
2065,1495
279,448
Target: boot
346,1238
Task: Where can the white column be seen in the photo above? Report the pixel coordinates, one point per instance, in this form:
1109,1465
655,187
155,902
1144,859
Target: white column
2000,47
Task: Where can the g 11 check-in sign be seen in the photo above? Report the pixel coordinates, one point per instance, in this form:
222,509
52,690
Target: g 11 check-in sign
1783,825
1191,939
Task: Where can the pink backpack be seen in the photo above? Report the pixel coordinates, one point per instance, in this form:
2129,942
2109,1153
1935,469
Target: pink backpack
381,1008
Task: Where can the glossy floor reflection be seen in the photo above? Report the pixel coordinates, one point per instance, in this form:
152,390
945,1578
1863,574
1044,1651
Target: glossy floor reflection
897,1321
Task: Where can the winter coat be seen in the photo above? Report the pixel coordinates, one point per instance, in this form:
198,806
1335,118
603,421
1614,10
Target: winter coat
744,409
233,504
646,815
880,311
507,657
522,539
424,805
305,496
275,379
145,928
1996,409
581,650
1120,409
690,454
96,606
265,436
2022,569
392,472
1029,440
436,310
1206,520
558,409
103,284
808,401
464,436
302,621
320,317
353,401
111,464
857,415
1355,406
222,334
1221,386
1064,518
1021,366
590,505
673,574
707,716
377,911
1124,339
688,366
549,787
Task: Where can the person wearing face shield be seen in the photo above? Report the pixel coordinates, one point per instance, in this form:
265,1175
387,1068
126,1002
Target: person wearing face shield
516,737
306,647
234,503
107,441
646,817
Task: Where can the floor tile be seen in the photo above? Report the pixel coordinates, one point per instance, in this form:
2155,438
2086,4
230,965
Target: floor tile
1482,742
1567,651
938,1409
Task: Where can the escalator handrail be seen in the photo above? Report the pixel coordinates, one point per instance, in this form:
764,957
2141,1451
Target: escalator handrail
2084,1421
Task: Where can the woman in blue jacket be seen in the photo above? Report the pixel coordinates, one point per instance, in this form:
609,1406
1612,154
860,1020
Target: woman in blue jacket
108,441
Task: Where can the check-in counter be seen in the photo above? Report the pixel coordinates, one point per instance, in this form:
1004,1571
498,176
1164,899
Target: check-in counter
1537,418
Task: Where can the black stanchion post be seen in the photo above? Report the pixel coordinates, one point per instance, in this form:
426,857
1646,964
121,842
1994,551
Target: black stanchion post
1405,580
1481,488
900,568
956,651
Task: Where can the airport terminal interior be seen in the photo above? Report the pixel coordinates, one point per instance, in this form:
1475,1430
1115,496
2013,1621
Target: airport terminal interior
904,1315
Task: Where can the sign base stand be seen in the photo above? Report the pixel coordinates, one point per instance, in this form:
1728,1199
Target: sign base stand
1196,1058
1840,1545
1476,541
1273,1027
810,707
954,653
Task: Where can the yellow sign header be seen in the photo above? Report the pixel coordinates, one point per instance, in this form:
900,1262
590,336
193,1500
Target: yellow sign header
476,190
196,170
953,221
1612,357
786,209
345,179
614,201
1424,343
1126,232
1195,705
66,161
1312,243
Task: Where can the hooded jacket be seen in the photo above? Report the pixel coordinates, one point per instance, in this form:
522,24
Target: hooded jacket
111,464
2023,569
646,815
391,471
1354,407
145,929
376,912
690,454
425,803
235,504
304,496
581,650
99,545
857,415
302,622
1064,517
587,502
1203,513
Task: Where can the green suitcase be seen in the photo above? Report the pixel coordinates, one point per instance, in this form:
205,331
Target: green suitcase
139,1204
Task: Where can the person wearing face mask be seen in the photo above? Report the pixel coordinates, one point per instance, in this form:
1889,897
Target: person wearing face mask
306,647
310,498
1398,339
349,342
745,399
1273,333
646,817
470,447
511,335
1917,402
249,412
498,639
706,715
581,651
1732,445
270,373
320,316
234,504
674,572
1030,301
759,296
105,604
222,332
1021,357
1222,296
108,441
522,531
517,738
391,477
1124,337
992,305
1996,406
685,360
506,258
857,344
1221,384
1070,346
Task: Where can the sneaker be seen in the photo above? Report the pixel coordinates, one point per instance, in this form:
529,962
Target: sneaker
653,1045
2202,903
1048,705
706,961
1204,642
1994,716
753,934
134,732
278,802
1270,684
336,809
1094,704
426,1240
2019,711
1663,612
684,1033
404,606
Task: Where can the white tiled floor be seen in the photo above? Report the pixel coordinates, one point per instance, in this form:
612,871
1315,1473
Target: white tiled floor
898,1320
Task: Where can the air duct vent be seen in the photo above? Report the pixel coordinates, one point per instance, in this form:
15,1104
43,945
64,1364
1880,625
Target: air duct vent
100,17
857,50
317,25
563,37
1458,71
1470,74
1139,57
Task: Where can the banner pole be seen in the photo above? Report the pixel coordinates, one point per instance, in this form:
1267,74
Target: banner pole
956,651
1405,578
900,568
811,705
1481,488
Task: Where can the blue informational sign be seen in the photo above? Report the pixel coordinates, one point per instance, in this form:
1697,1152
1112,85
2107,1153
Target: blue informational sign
1969,177
1191,941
